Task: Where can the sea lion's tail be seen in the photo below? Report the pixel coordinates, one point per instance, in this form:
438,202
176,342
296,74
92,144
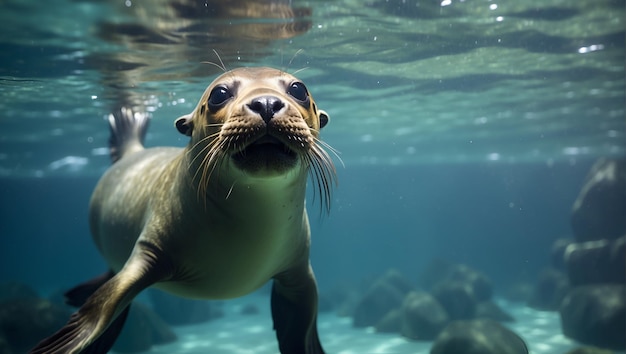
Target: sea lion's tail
128,130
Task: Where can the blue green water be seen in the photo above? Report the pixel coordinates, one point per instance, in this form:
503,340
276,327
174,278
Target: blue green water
465,128
405,82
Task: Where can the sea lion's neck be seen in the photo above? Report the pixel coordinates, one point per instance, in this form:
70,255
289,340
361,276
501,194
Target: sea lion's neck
235,192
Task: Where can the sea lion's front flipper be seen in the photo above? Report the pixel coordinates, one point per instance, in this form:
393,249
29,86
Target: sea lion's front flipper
294,311
107,304
78,295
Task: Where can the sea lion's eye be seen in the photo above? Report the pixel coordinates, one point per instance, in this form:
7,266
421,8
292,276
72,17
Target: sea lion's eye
219,95
298,91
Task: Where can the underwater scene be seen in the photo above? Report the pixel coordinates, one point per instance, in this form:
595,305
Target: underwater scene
453,171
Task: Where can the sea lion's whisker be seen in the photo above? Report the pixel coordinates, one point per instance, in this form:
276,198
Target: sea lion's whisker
222,66
204,148
300,70
215,157
213,125
230,190
331,149
220,59
208,146
294,57
323,172
212,63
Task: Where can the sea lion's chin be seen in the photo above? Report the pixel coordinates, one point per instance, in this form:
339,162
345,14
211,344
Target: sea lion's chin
266,157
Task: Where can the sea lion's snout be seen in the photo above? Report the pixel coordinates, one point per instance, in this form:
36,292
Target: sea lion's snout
259,121
269,133
266,106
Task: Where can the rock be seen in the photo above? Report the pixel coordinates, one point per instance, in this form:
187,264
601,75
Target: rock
518,292
439,271
599,210
478,337
396,279
15,291
386,294
490,310
557,254
143,329
180,311
5,348
479,283
391,323
422,316
24,322
597,262
435,271
549,291
596,315
250,309
457,298
589,350
342,298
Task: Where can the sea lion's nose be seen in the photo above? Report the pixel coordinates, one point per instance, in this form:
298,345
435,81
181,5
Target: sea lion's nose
266,106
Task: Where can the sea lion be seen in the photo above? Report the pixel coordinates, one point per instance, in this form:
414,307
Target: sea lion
214,220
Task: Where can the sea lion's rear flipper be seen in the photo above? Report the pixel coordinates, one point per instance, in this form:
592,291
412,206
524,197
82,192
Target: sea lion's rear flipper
294,311
107,307
128,130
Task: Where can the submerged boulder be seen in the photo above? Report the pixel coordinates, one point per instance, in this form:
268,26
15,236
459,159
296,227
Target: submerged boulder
142,329
551,287
180,311
439,271
250,309
457,298
422,316
5,348
385,295
15,290
491,310
598,212
390,323
24,322
478,337
557,253
518,291
479,284
596,315
597,262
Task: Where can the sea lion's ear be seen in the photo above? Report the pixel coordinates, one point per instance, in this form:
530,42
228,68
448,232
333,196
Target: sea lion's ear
324,118
184,124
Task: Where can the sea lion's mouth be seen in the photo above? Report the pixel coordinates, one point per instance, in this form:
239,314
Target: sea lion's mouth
268,145
265,153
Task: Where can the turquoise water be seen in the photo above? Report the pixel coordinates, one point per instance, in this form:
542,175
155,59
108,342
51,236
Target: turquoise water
405,82
465,130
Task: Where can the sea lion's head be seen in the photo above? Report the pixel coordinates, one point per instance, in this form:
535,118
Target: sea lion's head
261,121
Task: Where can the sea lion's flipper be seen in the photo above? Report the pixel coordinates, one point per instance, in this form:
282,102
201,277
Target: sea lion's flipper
77,296
105,342
108,303
294,311
128,130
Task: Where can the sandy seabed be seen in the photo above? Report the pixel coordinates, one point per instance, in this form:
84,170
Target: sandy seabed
252,334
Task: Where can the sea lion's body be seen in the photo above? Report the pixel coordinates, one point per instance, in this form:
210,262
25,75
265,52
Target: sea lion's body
225,249
214,220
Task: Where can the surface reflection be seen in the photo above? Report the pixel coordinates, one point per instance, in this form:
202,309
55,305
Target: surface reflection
167,40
